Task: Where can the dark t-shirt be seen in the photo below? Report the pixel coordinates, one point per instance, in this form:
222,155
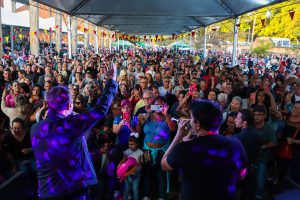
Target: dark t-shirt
209,166
252,141
15,147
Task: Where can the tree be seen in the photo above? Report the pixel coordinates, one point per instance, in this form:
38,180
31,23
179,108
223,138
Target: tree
262,46
279,24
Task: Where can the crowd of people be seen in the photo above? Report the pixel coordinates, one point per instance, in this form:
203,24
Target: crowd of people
260,100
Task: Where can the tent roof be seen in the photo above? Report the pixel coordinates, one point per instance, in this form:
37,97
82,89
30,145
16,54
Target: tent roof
156,16
179,44
126,43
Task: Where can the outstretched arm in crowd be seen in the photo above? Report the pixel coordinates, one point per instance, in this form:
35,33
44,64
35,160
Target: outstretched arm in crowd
184,101
103,103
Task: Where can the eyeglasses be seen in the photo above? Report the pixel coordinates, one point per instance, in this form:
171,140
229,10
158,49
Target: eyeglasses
143,82
78,102
16,129
147,98
258,114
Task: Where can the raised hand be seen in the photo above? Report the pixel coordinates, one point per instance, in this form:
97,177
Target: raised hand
111,71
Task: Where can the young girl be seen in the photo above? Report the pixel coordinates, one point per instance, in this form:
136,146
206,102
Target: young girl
132,181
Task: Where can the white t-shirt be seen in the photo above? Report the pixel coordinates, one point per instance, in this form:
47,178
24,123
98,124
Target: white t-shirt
162,91
138,76
133,154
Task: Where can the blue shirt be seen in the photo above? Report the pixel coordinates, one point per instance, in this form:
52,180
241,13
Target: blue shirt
62,157
156,132
124,133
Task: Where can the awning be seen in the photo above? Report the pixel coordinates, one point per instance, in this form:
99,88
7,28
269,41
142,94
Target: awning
156,16
122,42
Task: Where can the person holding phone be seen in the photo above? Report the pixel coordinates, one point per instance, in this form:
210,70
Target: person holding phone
14,91
206,158
124,124
157,128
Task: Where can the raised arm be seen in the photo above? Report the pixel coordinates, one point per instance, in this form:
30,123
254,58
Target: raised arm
88,119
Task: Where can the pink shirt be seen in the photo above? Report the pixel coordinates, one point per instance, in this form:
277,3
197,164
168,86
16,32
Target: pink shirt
9,101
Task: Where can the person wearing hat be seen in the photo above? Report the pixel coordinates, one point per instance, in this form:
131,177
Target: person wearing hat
124,124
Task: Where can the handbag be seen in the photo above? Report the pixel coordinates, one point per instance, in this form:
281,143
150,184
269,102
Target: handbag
147,157
285,150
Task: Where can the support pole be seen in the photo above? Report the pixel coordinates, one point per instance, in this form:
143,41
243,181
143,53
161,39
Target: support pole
96,41
13,6
235,41
86,34
34,27
69,38
58,31
74,29
11,38
109,40
253,29
101,39
13,9
118,43
204,43
1,36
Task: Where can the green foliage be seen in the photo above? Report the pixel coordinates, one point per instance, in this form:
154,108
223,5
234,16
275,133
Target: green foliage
279,24
262,46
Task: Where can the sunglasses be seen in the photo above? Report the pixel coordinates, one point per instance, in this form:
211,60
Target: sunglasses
78,102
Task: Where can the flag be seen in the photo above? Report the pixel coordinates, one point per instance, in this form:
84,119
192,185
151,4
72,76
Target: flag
292,13
263,22
20,36
193,33
6,38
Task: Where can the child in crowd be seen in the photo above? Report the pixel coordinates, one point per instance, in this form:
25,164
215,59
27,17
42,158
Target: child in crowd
132,181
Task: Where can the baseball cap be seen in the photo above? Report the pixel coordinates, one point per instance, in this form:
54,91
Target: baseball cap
125,102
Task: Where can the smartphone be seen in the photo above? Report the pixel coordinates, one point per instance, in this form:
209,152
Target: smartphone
7,86
192,88
126,116
244,103
156,108
76,87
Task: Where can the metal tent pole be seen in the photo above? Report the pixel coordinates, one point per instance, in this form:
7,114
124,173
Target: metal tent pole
204,43
69,38
235,41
